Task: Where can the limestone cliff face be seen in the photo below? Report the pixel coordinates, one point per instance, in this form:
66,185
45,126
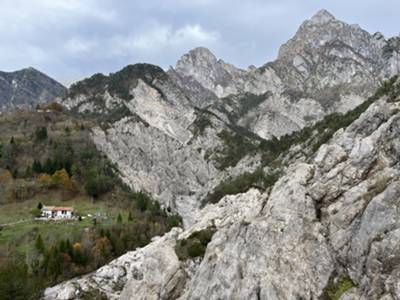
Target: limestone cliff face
333,217
330,223
159,141
168,132
328,66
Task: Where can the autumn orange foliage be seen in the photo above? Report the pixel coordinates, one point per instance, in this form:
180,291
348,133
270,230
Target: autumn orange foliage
45,180
61,179
5,176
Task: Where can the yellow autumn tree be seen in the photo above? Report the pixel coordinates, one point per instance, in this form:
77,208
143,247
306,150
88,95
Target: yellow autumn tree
5,176
101,251
45,180
77,253
77,247
61,179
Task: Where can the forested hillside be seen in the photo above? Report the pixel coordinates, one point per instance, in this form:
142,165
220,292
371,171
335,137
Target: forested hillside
48,158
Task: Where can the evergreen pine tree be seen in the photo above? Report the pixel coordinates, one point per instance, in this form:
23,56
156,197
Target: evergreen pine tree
119,219
54,263
37,167
39,245
68,248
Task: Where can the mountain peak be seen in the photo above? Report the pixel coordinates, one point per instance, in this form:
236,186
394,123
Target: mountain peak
27,87
322,16
31,69
197,56
203,51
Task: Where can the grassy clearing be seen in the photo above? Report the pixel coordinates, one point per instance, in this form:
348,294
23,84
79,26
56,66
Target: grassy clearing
22,235
83,205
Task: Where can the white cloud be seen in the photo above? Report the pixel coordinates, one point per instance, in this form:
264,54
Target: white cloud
164,35
79,46
195,33
155,37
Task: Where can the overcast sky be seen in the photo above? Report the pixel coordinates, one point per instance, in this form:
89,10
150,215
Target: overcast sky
72,39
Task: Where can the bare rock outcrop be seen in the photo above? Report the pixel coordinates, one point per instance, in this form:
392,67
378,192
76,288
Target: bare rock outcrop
173,134
328,66
326,221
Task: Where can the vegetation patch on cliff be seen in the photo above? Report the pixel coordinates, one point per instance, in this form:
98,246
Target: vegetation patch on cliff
236,146
195,245
242,183
239,105
336,289
119,83
201,123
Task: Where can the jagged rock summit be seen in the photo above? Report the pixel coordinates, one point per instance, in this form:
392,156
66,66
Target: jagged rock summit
322,16
202,65
190,129
309,216
328,66
26,88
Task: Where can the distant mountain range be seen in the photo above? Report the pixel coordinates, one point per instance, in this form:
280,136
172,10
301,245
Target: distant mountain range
26,88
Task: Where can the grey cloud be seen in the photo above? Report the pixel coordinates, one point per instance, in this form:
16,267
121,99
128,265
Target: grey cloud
76,38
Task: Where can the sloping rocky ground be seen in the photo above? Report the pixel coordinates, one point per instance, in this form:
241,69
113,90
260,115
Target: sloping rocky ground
179,134
329,228
160,142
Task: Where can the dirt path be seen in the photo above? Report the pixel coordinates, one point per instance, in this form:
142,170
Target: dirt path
15,223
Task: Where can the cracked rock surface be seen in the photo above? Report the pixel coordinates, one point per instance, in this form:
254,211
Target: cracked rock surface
335,216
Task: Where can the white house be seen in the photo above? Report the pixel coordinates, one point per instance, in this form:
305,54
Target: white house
56,212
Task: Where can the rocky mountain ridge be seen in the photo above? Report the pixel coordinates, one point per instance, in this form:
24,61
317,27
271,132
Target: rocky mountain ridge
328,66
311,215
327,229
26,88
176,151
192,128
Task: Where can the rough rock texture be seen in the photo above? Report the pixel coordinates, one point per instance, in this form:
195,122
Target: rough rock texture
169,131
27,88
158,259
328,66
221,78
356,187
279,254
334,216
170,163
155,271
157,143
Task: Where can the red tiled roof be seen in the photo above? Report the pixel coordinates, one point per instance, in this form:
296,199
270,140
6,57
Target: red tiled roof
57,208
